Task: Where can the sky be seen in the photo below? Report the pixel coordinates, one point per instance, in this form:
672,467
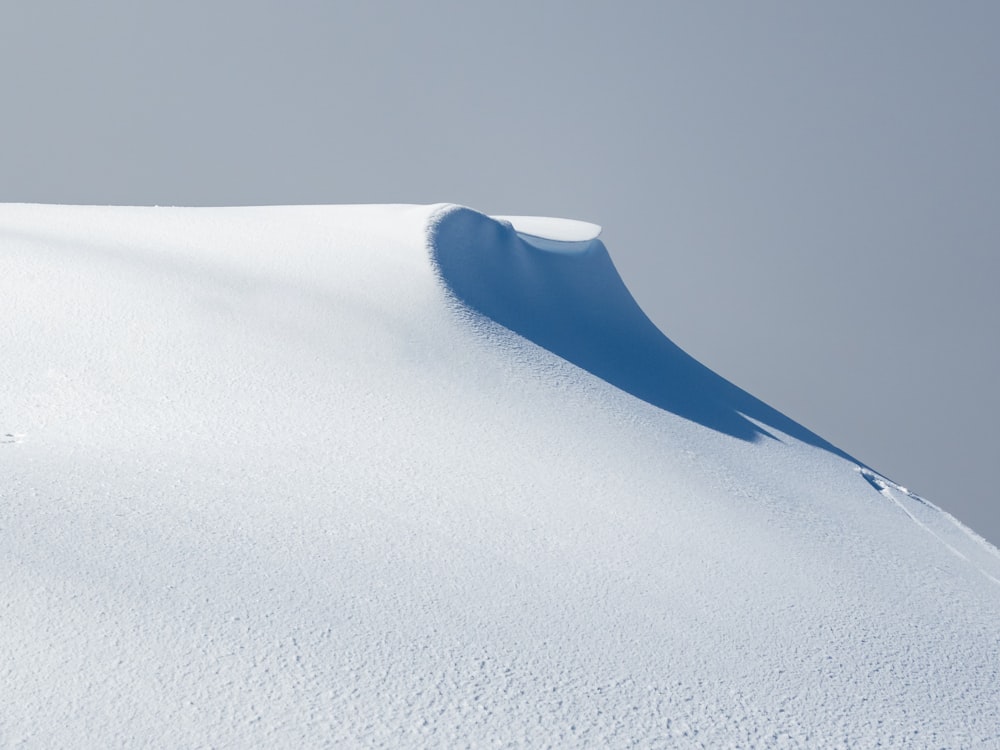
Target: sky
805,197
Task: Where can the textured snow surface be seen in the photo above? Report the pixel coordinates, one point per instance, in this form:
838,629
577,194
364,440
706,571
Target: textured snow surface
277,477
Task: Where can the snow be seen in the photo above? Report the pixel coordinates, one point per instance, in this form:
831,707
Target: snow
552,234
552,228
399,476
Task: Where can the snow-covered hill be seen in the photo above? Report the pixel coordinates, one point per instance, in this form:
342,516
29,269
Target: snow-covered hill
398,475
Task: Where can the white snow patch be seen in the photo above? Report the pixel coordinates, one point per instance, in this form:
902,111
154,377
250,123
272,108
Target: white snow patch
550,233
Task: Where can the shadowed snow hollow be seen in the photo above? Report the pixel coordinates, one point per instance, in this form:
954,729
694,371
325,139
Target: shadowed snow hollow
402,476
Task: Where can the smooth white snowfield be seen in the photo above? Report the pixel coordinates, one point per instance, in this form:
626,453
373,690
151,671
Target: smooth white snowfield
269,479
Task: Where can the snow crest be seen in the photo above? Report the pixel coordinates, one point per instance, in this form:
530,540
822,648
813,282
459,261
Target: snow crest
575,305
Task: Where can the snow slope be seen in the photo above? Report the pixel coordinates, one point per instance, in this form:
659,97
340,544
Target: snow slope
401,476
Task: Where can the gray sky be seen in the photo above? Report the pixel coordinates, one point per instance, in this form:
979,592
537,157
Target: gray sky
806,197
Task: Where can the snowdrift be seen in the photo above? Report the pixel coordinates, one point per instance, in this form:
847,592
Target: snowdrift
573,303
404,476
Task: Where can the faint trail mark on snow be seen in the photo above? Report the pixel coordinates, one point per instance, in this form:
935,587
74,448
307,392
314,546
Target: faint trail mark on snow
889,489
12,437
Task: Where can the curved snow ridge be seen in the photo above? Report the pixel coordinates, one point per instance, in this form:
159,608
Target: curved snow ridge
553,234
571,301
552,228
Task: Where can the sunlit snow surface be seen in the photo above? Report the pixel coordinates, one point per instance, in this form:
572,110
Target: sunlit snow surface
276,477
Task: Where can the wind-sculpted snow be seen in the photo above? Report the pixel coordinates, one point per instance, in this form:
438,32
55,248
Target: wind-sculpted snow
575,305
388,476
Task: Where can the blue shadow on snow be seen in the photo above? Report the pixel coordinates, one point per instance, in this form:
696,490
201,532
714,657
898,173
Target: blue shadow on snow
575,305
